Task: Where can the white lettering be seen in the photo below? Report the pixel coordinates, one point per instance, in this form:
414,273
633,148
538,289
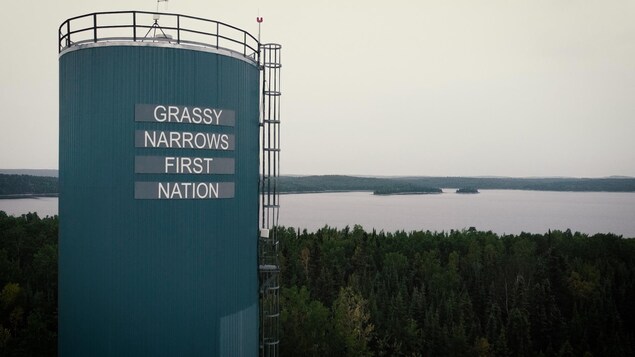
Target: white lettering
200,144
176,191
185,190
217,115
186,187
208,162
161,116
184,140
197,115
187,138
174,139
151,139
198,167
224,141
186,114
164,190
213,141
207,112
200,193
163,140
213,188
185,164
169,162
173,112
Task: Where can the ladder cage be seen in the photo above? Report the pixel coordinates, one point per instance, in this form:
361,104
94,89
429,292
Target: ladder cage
269,268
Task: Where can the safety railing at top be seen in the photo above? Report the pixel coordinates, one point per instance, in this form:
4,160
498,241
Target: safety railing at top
153,27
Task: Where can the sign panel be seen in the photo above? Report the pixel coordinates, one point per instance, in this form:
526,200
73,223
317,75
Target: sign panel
183,190
183,114
184,140
182,187
183,165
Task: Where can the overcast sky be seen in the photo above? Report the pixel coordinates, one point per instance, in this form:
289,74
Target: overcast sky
450,88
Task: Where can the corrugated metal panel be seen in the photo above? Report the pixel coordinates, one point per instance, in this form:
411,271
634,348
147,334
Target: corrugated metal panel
154,277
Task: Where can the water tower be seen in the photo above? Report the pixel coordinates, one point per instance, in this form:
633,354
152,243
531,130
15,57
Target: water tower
169,153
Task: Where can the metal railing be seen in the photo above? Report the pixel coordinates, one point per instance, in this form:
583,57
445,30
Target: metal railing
143,26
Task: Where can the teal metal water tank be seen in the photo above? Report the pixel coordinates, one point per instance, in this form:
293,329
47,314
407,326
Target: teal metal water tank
158,204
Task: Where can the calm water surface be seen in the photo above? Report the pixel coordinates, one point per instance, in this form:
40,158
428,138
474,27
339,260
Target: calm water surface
501,211
44,206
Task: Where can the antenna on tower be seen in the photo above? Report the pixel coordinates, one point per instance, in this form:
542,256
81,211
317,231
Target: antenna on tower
155,26
259,19
156,16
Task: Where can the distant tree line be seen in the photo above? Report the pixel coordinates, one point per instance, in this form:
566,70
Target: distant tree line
405,188
330,183
26,184
400,184
460,293
40,185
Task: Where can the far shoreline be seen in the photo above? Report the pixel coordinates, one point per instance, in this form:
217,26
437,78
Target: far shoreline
56,195
445,192
27,195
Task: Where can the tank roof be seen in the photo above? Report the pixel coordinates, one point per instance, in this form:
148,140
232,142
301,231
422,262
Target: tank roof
142,28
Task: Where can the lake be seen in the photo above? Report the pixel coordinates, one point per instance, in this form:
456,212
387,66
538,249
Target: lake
44,206
501,211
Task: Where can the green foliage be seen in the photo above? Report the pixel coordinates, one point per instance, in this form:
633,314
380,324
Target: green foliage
355,293
28,285
306,324
352,323
457,293
9,294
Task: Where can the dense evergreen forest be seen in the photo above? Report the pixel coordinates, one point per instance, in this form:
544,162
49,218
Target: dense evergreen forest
28,285
459,293
424,184
355,293
26,184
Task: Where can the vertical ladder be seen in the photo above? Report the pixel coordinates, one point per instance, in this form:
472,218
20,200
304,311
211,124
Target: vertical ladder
268,264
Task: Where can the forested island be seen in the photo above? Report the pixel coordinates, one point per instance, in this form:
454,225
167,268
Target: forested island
467,190
351,292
